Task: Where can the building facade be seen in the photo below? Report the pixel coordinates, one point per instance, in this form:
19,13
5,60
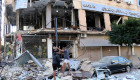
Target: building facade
81,26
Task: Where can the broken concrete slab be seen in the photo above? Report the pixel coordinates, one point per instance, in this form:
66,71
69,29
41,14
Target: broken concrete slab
82,75
26,56
22,59
86,66
35,60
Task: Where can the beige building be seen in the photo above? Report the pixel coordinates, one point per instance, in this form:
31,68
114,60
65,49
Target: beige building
81,26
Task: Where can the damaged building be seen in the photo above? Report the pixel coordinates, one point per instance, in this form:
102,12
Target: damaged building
81,26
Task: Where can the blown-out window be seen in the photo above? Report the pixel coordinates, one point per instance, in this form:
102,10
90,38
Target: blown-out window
129,1
138,2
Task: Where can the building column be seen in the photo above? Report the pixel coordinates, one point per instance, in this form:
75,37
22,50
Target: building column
133,53
97,21
107,21
101,51
48,16
15,34
73,17
124,18
75,49
82,20
30,3
17,20
49,47
119,50
43,21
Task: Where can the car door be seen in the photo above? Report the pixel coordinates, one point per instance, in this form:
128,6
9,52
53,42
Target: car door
122,63
114,64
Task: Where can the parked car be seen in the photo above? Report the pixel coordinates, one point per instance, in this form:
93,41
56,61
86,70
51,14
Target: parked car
114,64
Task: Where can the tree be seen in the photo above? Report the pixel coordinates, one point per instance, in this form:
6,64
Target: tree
127,33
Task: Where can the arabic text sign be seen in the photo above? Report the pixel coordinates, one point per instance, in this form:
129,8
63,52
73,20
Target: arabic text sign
109,9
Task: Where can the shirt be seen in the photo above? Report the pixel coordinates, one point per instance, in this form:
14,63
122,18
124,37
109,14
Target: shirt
56,57
66,54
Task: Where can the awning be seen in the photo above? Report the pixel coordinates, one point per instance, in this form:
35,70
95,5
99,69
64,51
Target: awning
92,41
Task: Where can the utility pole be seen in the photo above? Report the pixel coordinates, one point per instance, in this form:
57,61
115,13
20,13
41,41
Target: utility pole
56,34
0,28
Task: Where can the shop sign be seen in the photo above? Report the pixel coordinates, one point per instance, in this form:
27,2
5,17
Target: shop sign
109,9
43,40
20,4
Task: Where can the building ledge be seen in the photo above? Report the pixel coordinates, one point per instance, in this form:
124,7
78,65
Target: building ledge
52,31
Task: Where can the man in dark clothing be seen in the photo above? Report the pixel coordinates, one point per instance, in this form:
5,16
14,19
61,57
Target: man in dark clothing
56,61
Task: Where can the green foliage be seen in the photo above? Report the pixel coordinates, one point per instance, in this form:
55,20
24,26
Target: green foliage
127,33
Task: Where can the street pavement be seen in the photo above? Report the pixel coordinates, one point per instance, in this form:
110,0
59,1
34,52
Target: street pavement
135,73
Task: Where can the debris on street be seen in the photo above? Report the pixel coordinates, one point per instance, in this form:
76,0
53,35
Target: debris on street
80,69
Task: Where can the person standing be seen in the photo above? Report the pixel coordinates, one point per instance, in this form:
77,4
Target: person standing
56,61
66,58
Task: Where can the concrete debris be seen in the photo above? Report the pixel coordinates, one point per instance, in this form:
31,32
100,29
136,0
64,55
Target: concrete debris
82,75
75,64
66,78
102,73
86,66
30,71
84,59
130,77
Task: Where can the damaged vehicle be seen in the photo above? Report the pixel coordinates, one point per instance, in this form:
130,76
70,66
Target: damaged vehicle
114,64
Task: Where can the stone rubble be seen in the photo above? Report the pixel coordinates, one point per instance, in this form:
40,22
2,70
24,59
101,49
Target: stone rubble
30,71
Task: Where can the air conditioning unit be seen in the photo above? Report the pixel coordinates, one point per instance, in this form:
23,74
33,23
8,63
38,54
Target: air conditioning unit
129,2
83,35
118,1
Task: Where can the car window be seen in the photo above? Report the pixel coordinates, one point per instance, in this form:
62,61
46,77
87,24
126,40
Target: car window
115,60
121,59
105,59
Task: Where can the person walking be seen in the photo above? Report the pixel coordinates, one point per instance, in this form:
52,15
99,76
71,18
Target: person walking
66,58
56,61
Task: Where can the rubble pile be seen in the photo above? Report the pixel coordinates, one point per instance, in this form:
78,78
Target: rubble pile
28,71
80,70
